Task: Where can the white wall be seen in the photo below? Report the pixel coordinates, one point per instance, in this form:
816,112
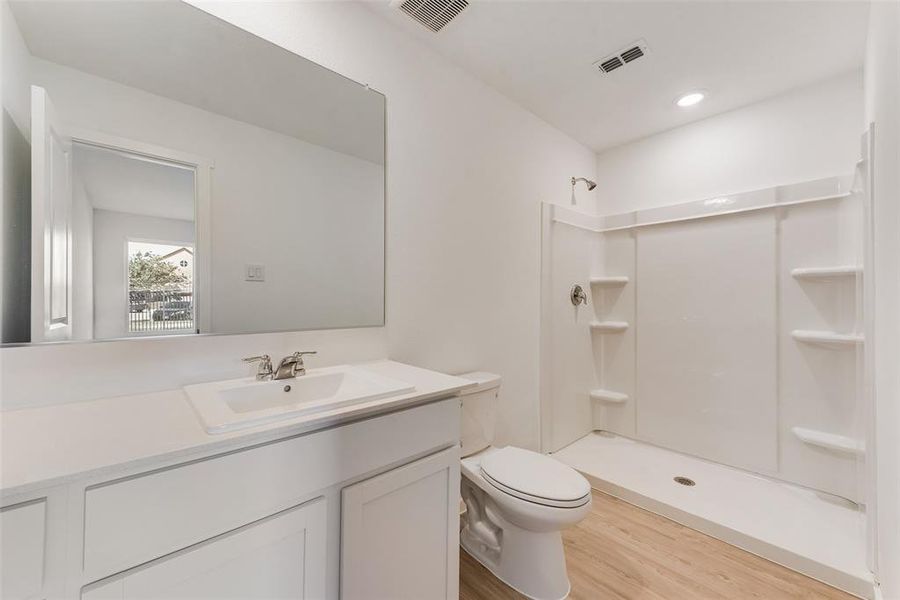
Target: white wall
806,134
15,237
882,79
82,262
303,211
112,230
15,210
16,92
467,170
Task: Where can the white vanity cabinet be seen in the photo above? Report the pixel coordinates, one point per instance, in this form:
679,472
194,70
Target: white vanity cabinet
400,532
282,556
369,505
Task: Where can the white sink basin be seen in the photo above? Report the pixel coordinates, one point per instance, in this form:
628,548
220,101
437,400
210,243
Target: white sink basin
238,403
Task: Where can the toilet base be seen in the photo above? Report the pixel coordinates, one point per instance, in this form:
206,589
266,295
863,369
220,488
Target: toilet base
533,564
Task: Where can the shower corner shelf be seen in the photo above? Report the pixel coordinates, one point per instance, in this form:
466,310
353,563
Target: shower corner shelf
829,441
612,281
609,396
609,326
828,338
826,272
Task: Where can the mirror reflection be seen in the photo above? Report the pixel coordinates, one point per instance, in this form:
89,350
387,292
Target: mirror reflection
170,174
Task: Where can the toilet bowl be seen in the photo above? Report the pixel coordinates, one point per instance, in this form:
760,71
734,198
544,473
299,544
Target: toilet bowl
517,502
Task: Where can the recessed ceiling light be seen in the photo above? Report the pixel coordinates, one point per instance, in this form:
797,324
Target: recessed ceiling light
690,99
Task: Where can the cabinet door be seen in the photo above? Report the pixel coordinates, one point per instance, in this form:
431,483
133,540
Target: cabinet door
279,557
22,535
400,532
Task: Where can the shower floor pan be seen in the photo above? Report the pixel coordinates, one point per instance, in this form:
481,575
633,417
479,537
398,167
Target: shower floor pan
816,534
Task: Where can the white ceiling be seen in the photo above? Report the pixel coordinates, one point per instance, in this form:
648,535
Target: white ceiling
177,51
540,54
135,185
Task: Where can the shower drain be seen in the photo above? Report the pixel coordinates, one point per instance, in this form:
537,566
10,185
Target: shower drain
684,481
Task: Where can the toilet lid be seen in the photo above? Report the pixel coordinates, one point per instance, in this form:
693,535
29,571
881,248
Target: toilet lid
535,477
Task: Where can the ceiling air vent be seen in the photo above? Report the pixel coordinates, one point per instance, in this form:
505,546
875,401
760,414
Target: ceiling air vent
433,14
611,64
629,53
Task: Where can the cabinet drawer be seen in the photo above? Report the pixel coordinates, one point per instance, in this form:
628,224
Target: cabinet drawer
282,556
22,535
132,521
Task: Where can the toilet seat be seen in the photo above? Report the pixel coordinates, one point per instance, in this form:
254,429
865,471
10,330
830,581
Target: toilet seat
535,478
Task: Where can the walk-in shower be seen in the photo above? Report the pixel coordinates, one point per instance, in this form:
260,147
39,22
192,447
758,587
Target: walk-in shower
714,375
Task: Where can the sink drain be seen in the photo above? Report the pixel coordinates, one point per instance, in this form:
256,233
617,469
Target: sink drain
685,481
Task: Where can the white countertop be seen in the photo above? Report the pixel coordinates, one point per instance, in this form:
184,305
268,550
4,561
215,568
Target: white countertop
112,437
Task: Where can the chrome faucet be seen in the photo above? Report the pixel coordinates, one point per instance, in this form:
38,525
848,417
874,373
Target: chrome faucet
264,371
291,366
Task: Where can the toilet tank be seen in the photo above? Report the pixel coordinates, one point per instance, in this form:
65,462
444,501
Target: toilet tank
479,411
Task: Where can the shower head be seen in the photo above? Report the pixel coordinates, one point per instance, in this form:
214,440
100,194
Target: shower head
590,184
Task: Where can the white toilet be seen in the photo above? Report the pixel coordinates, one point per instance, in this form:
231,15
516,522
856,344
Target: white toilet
517,501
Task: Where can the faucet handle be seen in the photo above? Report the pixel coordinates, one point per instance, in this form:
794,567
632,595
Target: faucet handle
264,358
298,368
265,365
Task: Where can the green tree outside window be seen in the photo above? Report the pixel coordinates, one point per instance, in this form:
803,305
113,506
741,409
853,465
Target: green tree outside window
147,271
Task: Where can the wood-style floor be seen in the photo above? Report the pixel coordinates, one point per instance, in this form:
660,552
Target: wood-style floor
623,552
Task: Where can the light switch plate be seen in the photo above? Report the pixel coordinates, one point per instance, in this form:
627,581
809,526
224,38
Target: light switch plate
255,273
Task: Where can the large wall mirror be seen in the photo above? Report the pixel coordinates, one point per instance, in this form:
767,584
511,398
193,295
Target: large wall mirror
166,173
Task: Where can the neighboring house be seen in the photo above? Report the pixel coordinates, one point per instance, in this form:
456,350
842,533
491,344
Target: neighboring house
183,259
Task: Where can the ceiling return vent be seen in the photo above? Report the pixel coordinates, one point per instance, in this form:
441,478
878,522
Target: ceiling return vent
433,14
629,53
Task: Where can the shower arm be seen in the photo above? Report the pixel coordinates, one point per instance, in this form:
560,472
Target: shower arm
590,184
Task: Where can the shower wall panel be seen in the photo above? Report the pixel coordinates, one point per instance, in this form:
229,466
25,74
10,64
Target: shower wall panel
706,338
615,353
567,416
818,383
